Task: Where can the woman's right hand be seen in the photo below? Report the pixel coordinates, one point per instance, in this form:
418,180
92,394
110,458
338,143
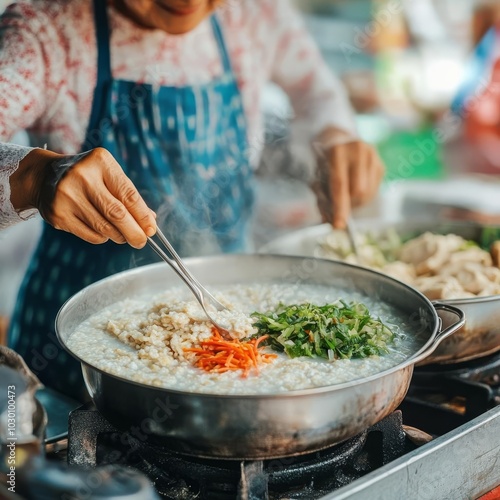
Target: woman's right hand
94,199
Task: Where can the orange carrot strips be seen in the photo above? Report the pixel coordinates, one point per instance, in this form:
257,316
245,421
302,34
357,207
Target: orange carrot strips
218,355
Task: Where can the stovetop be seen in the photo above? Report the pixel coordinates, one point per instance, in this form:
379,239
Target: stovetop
459,405
444,397
440,443
94,442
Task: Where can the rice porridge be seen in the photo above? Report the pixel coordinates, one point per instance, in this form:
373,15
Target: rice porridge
144,339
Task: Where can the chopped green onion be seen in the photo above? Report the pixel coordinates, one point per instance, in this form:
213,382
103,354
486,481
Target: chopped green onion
331,331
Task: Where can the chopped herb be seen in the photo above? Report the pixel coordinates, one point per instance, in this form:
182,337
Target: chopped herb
331,331
467,244
489,234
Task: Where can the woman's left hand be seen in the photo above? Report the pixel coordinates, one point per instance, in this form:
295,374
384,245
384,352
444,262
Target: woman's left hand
349,175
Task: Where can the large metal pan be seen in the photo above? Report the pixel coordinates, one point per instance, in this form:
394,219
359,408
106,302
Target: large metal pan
257,426
481,334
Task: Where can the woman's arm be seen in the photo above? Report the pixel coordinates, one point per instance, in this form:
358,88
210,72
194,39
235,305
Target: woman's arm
10,156
349,170
317,95
32,67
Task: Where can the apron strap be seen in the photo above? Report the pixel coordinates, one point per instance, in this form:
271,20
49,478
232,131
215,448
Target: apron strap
102,36
103,52
104,75
219,37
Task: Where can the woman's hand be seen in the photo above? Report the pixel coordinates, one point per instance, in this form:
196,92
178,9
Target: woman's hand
349,175
93,199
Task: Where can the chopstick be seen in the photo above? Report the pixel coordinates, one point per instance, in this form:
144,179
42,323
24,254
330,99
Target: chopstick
351,234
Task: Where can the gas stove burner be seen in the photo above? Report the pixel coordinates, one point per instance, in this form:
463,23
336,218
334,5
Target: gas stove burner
283,471
485,369
216,478
92,441
443,397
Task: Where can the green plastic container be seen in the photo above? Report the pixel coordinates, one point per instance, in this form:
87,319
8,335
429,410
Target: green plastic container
412,155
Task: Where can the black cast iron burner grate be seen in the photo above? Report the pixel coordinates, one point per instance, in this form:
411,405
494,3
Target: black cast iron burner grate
93,441
444,397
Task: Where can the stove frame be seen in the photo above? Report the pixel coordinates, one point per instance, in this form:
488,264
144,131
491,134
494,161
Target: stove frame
93,441
462,464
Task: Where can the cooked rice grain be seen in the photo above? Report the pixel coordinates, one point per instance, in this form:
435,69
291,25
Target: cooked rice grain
144,339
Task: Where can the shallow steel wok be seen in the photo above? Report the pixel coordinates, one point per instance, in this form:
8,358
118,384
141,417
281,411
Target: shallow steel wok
256,426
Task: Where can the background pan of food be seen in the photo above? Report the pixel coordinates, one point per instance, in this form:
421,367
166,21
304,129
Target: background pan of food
255,426
381,243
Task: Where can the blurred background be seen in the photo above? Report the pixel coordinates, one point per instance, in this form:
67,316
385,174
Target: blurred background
420,76
423,80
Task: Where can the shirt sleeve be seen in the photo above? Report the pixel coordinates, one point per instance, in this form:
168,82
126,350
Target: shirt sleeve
317,95
31,67
10,156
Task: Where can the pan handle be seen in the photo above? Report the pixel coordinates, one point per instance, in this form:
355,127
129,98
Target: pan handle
443,334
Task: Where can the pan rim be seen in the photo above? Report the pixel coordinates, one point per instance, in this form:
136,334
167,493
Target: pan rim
429,345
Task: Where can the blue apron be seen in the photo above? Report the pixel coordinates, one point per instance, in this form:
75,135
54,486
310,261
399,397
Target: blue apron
185,149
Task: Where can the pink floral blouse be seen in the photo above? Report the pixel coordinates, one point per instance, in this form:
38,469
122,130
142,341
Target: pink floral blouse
48,70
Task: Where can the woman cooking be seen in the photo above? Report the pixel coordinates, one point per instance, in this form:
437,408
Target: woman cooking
171,88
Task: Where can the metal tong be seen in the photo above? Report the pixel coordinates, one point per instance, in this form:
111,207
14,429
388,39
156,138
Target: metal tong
203,296
351,234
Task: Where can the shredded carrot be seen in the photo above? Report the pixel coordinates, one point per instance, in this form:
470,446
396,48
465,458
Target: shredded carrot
311,335
218,355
